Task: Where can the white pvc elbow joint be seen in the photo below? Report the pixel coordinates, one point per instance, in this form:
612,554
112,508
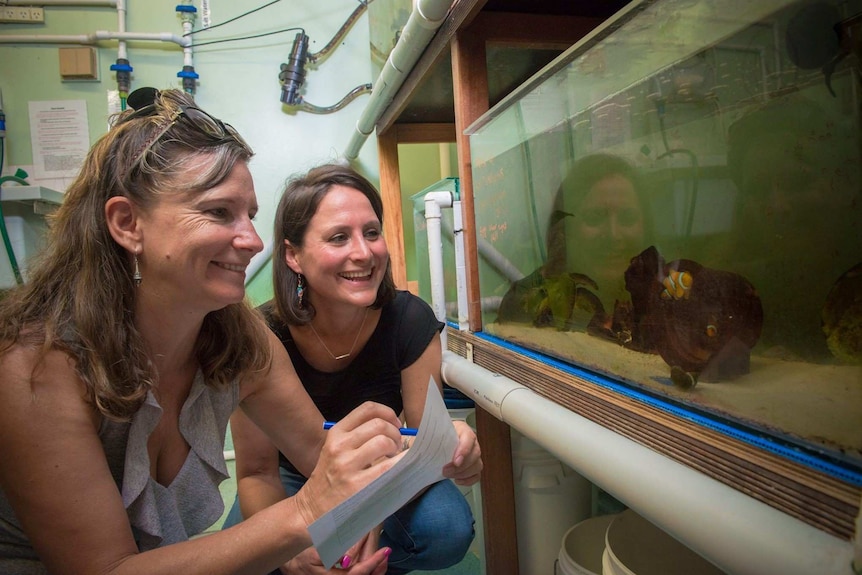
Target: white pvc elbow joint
435,201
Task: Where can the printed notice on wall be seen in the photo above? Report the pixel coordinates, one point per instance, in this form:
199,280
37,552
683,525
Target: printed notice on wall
60,136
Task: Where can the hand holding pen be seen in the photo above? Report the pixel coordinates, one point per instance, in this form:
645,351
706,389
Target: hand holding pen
412,431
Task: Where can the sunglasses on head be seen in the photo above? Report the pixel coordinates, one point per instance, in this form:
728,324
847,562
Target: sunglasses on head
142,101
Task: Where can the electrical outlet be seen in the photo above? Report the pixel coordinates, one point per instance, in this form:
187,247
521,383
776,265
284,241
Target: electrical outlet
22,15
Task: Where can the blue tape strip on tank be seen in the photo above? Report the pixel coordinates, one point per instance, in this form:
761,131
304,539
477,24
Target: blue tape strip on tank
837,470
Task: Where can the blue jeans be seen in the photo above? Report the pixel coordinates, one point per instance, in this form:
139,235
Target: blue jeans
434,531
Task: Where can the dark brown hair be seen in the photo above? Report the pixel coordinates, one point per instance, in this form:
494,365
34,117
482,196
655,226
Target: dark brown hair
583,174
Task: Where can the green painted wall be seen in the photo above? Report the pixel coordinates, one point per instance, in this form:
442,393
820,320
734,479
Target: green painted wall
421,166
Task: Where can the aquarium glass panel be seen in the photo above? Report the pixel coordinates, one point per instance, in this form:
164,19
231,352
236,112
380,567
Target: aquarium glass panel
675,203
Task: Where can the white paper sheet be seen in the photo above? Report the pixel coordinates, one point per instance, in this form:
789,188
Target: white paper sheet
60,137
422,465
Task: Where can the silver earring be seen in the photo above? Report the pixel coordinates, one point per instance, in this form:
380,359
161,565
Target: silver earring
136,277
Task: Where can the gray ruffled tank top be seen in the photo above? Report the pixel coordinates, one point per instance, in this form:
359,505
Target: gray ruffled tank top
159,515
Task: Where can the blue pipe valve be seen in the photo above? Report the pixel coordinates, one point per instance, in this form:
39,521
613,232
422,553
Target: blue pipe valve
189,77
124,75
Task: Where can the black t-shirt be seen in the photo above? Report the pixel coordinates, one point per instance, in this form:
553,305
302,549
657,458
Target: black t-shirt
406,327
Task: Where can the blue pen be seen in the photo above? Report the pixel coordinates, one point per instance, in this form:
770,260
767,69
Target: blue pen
404,430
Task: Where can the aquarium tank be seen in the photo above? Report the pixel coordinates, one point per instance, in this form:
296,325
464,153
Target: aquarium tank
680,195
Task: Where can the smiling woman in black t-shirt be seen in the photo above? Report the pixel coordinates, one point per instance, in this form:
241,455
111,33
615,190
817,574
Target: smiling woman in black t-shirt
353,338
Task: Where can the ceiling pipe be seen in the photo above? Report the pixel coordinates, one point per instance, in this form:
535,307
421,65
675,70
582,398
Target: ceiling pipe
426,18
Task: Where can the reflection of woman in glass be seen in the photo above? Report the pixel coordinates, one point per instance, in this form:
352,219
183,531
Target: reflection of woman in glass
599,222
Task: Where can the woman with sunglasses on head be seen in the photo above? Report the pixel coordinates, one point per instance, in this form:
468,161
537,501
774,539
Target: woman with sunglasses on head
352,338
124,355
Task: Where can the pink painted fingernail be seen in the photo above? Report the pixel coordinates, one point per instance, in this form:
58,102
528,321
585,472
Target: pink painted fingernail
388,552
345,561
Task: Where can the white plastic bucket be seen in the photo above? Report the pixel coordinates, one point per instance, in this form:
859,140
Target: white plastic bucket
634,546
549,498
582,547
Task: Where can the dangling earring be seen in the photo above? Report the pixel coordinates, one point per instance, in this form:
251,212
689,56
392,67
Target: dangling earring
300,288
136,276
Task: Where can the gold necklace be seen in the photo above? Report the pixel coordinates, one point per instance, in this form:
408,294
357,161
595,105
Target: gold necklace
355,339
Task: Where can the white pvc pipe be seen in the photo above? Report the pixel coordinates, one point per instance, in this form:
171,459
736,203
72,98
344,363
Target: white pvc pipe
738,533
490,303
434,202
188,59
509,270
110,3
121,28
93,38
48,39
460,265
146,36
488,390
434,225
426,17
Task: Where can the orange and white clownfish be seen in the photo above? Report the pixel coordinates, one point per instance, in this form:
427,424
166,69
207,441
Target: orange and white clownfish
677,285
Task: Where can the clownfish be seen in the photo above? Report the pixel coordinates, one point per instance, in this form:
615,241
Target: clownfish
676,285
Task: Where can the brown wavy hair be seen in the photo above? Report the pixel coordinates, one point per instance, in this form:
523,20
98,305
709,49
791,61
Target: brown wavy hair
79,297
298,204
